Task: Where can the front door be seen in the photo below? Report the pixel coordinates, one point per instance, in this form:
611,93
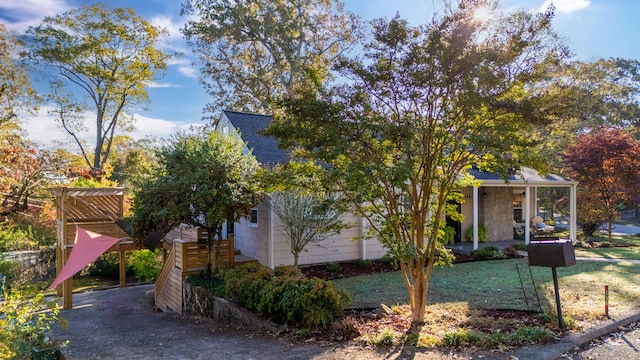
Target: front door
455,225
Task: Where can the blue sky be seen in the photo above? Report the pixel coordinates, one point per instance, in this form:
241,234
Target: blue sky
592,28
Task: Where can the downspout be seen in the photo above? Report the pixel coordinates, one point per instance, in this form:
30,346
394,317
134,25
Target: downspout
475,218
271,240
363,242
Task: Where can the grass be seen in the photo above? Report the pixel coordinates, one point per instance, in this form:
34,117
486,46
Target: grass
496,285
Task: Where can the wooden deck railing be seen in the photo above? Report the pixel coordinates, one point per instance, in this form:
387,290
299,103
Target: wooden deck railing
187,256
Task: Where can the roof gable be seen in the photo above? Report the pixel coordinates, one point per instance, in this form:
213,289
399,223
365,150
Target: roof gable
250,127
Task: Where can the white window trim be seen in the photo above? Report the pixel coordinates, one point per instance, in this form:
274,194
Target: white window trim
253,224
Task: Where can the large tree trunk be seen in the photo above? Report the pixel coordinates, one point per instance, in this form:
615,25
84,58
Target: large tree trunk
417,284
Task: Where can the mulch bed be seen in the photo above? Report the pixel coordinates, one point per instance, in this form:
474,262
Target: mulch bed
347,269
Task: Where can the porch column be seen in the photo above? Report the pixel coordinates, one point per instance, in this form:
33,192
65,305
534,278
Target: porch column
573,213
475,218
527,215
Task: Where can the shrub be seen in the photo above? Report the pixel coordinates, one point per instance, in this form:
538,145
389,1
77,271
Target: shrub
105,265
285,294
146,264
520,247
25,324
363,263
334,267
527,335
24,236
604,244
389,259
385,336
482,233
487,253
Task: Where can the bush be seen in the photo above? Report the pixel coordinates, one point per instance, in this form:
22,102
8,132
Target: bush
334,267
24,236
25,324
285,295
487,253
482,233
521,247
363,263
146,264
389,259
105,265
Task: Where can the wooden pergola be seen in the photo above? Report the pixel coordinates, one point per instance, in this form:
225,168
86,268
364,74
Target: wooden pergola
93,209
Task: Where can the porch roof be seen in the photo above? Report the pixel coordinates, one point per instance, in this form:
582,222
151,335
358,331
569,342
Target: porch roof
522,177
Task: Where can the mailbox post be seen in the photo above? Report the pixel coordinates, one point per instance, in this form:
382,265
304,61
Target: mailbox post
553,254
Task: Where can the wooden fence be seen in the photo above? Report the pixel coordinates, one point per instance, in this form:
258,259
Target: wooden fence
187,255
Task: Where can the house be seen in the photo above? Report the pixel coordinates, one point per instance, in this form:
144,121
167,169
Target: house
261,236
495,203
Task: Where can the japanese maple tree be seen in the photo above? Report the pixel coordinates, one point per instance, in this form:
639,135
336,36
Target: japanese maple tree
606,163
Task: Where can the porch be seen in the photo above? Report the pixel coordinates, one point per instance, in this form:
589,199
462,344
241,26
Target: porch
465,248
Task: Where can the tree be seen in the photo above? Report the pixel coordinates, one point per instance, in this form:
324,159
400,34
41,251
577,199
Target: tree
19,174
16,93
421,106
106,54
201,180
131,159
306,218
606,163
599,93
252,52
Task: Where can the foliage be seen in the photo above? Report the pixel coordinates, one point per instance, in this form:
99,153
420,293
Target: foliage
18,235
285,294
605,162
482,233
106,54
487,253
307,218
252,52
131,160
202,179
363,263
105,265
334,267
422,105
25,324
145,264
17,97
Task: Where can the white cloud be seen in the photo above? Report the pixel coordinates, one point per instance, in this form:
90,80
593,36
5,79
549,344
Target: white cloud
154,84
46,132
167,23
20,14
566,6
188,71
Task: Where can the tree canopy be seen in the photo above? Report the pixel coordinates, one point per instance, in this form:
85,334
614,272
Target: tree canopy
606,164
254,51
106,56
418,108
16,93
201,180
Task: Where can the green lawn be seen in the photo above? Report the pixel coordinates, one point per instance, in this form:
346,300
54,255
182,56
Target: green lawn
496,285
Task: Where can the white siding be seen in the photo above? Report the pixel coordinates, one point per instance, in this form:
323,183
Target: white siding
253,242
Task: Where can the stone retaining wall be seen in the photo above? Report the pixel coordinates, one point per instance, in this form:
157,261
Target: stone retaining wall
198,301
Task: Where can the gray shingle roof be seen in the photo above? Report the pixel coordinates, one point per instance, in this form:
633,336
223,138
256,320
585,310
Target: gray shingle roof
250,127
522,175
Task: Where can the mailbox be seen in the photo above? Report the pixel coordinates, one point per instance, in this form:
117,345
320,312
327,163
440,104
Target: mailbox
551,253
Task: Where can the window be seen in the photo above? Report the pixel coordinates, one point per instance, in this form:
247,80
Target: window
253,218
225,130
